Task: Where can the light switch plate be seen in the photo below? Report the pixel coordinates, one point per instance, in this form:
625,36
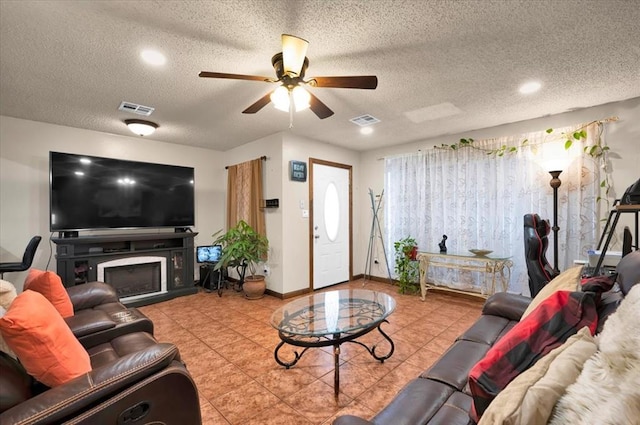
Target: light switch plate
305,213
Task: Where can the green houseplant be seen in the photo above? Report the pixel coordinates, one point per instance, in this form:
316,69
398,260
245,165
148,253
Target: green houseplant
406,266
244,248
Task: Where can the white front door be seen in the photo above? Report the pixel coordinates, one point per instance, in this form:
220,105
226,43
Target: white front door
331,223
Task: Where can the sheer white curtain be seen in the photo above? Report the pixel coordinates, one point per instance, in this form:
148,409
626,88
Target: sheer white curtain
479,200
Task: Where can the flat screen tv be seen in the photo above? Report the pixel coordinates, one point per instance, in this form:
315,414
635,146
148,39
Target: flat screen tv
91,193
208,254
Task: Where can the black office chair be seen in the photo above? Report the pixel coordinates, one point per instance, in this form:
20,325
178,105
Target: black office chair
27,258
536,242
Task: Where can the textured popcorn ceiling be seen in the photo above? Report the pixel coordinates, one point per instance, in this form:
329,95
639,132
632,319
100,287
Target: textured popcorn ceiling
73,63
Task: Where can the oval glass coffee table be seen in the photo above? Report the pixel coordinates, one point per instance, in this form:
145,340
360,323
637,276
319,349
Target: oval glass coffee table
331,319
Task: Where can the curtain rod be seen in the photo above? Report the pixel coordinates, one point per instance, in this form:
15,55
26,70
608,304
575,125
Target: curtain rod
263,157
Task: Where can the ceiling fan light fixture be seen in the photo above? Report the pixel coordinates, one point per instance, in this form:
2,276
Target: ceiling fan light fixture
301,98
141,127
294,50
280,98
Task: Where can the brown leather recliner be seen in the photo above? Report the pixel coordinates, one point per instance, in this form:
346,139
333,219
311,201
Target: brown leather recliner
99,316
134,380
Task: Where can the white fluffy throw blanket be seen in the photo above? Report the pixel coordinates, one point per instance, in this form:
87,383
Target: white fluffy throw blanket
608,389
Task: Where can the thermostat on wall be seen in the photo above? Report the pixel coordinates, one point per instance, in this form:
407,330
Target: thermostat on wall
271,203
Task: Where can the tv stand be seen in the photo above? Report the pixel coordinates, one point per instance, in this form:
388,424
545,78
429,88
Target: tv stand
77,259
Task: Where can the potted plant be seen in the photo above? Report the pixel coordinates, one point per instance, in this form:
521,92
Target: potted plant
244,248
406,267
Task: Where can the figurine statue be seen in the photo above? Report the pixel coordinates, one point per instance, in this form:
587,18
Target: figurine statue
443,244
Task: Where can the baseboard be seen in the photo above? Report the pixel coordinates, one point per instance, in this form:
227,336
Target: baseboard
377,279
288,294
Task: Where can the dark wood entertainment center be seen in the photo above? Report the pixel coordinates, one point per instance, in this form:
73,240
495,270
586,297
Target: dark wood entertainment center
78,259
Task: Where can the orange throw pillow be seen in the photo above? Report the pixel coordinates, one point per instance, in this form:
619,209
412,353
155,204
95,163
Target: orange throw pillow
43,342
50,285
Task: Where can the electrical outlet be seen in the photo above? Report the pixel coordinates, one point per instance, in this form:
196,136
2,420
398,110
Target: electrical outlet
305,213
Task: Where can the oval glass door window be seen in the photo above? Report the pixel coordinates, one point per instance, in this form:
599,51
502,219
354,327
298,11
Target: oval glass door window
331,211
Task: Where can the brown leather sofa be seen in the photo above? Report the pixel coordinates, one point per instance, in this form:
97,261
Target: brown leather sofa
440,395
134,378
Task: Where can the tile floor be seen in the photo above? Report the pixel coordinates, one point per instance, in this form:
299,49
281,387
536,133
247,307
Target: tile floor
227,344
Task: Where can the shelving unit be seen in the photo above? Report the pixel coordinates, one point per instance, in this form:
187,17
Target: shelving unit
610,227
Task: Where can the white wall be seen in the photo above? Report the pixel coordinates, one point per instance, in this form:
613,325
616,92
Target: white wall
24,199
271,147
623,137
295,236
24,177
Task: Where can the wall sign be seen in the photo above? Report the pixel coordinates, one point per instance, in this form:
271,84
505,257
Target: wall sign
298,171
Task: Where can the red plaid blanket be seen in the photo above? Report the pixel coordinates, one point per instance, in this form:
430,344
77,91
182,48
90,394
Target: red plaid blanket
547,327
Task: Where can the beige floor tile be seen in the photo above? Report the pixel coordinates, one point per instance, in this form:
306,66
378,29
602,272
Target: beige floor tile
244,402
317,402
228,345
210,416
218,382
354,408
283,382
280,414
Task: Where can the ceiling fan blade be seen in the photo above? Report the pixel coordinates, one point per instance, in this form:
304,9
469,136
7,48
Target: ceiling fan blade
205,74
319,108
261,103
355,82
294,50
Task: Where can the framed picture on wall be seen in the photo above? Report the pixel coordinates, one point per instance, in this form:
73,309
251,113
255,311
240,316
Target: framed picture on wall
298,171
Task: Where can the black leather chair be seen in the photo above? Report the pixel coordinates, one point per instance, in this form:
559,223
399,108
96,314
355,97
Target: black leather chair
27,258
536,241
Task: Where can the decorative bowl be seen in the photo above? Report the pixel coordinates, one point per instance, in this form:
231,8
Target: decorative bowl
480,252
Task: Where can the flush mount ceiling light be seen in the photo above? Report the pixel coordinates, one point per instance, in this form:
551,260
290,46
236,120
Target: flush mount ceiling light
141,127
530,87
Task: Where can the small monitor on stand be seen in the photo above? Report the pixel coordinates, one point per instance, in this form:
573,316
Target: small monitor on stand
208,254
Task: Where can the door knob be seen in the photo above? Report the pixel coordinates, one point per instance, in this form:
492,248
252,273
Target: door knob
317,236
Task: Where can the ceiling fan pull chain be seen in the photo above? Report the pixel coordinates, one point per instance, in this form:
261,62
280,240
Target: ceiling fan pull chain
291,107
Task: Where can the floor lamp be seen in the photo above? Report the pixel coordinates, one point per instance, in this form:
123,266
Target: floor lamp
555,184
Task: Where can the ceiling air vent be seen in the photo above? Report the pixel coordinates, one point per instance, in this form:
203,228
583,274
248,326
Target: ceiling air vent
364,120
134,108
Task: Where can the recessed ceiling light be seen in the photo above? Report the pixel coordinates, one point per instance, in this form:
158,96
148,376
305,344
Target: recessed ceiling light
153,57
366,130
530,87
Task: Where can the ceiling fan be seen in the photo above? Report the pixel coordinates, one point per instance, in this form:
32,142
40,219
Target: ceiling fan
290,66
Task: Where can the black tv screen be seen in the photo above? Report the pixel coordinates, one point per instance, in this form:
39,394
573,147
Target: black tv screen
89,192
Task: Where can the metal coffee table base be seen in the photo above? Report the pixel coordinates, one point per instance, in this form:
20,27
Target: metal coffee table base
336,340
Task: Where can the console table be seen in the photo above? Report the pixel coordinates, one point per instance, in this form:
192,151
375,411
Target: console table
496,270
